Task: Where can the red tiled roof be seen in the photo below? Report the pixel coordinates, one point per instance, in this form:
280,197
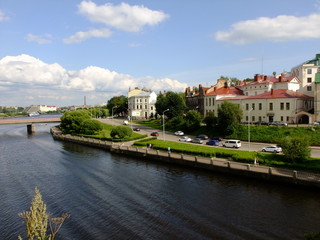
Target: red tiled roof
225,91
267,79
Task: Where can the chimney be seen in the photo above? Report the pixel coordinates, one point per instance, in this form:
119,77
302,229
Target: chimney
265,77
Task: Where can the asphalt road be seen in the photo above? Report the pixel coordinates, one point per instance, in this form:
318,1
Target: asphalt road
245,146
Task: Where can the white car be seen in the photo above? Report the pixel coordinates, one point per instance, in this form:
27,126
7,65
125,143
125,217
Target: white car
185,139
179,133
273,149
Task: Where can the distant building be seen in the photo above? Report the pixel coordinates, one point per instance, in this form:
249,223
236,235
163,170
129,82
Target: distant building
41,109
141,103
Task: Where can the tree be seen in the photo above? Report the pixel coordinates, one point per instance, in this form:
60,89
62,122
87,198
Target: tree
90,126
119,104
229,117
37,220
295,149
172,101
193,120
71,121
121,132
210,120
177,123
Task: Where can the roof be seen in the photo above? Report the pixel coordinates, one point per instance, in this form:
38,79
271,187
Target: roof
225,91
273,94
263,79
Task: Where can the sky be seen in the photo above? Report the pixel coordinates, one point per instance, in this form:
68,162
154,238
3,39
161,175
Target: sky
56,52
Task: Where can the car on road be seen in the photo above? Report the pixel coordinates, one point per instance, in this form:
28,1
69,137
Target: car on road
136,129
154,134
278,123
202,137
217,138
179,133
317,123
232,144
185,139
273,149
262,123
213,142
197,140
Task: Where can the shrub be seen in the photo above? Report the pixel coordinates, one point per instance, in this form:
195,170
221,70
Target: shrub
90,126
121,132
295,149
71,121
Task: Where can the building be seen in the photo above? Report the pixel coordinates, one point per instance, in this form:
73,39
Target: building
141,103
41,109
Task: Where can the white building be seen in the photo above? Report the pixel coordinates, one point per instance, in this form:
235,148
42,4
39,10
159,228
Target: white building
141,103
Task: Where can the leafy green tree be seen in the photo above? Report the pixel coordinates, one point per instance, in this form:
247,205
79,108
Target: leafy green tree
71,121
119,104
229,117
193,120
176,123
90,126
121,132
172,101
210,120
295,149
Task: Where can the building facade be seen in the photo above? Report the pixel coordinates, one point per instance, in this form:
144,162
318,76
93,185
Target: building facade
141,103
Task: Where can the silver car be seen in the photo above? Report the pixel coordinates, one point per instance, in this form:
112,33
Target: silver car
273,149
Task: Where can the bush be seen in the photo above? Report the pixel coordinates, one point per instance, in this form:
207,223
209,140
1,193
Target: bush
295,149
90,126
71,121
121,132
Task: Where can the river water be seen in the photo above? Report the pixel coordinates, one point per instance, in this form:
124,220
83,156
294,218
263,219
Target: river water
116,197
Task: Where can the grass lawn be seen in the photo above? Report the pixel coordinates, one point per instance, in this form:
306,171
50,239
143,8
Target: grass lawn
272,160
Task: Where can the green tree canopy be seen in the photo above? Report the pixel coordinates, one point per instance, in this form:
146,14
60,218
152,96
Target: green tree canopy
121,132
71,121
295,149
210,120
90,126
172,101
119,104
229,117
193,120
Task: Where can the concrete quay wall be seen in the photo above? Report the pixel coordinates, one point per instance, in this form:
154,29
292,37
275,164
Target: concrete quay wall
284,176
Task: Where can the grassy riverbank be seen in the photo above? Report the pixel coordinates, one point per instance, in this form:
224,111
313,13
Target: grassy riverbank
272,160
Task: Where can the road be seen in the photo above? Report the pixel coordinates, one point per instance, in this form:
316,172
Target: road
254,146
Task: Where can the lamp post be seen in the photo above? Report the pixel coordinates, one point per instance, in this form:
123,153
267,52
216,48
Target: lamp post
164,138
249,127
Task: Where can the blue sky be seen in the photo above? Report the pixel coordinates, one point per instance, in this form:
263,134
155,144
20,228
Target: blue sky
55,52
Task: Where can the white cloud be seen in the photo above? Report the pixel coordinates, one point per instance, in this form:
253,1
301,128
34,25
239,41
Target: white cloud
39,39
280,28
3,17
82,36
24,76
123,16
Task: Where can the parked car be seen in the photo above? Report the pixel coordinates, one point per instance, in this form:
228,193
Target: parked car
232,143
317,123
202,136
213,142
217,138
154,134
136,129
185,139
197,140
279,123
125,122
179,133
274,149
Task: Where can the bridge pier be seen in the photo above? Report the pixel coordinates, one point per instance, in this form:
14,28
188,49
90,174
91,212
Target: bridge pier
31,128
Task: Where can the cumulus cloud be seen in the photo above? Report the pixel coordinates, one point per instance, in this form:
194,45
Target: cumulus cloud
280,28
39,39
82,36
3,17
23,74
123,16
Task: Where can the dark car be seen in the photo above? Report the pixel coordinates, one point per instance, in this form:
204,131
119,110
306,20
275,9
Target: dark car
202,136
154,134
136,129
262,123
213,142
217,138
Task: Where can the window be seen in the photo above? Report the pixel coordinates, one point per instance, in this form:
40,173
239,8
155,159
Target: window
209,101
309,80
151,107
137,106
309,88
287,118
247,106
260,118
271,106
253,118
206,101
281,118
260,106
253,106
309,71
288,106
282,106
212,101
145,106
246,93
247,118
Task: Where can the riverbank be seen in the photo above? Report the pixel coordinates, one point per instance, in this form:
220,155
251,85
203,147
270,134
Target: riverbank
294,178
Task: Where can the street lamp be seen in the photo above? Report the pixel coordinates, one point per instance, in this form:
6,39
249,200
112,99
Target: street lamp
249,127
164,138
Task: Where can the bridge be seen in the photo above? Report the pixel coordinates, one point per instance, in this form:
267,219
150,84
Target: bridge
29,121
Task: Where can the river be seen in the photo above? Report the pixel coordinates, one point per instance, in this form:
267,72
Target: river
111,196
